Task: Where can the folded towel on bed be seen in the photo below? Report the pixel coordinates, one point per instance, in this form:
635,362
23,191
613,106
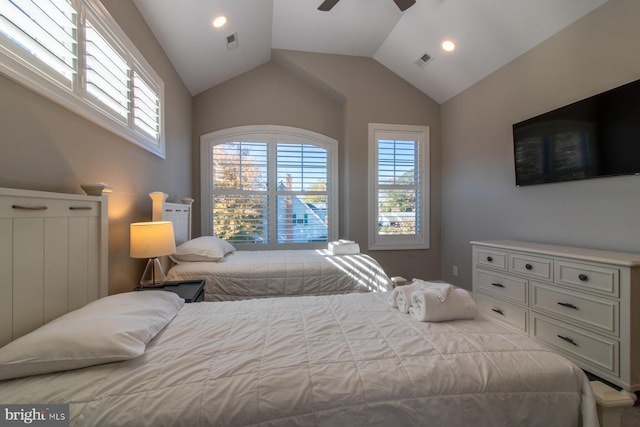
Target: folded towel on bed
344,247
427,305
441,289
400,296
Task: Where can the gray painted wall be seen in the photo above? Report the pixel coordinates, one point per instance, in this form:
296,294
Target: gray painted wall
479,196
46,147
337,96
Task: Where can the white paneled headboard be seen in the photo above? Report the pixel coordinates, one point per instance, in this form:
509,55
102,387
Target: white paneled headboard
178,213
53,256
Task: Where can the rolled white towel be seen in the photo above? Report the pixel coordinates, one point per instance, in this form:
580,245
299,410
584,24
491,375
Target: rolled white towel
427,306
403,301
440,289
400,296
344,247
391,298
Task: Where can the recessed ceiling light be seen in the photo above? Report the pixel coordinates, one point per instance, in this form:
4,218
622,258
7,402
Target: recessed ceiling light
219,21
448,45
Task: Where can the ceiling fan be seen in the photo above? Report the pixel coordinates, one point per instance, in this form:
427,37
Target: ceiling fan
402,4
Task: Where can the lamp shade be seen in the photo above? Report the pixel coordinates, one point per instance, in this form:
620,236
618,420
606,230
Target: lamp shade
151,239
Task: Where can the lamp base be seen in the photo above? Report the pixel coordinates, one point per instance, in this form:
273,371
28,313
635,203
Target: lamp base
153,274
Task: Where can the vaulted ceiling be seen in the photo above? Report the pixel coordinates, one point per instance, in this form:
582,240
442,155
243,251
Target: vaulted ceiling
488,35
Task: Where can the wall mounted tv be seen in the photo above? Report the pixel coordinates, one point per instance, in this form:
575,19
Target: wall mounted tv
595,137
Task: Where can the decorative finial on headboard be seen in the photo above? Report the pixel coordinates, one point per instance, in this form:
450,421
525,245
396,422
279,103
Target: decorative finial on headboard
187,201
97,189
158,198
158,195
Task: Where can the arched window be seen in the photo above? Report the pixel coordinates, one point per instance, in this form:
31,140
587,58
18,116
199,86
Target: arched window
268,186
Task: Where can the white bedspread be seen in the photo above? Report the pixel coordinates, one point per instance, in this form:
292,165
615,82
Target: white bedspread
341,360
262,274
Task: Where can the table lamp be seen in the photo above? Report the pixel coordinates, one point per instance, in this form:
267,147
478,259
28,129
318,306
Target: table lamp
152,240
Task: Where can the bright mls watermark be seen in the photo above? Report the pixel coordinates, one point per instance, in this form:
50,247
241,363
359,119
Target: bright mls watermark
34,415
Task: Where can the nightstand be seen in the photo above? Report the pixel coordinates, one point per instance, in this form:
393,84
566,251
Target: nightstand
189,290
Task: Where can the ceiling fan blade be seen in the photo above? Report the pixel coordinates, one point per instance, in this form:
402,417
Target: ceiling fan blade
328,4
404,4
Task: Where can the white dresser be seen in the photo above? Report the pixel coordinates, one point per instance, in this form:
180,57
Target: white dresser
583,303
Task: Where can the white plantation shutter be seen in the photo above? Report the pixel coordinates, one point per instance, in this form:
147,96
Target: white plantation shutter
46,45
302,193
240,198
146,107
398,187
398,184
107,72
44,31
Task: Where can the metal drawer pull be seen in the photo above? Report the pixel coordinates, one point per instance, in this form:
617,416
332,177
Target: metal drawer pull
29,208
79,208
489,259
498,285
583,277
528,266
567,304
567,339
497,310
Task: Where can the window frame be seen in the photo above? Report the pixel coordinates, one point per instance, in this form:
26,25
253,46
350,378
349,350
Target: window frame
421,239
32,73
272,134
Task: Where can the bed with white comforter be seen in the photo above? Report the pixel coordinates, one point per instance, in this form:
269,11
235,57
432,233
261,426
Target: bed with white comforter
263,274
339,360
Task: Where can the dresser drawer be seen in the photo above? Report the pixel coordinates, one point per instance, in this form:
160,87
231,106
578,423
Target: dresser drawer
593,349
490,258
589,277
512,315
537,267
511,288
599,314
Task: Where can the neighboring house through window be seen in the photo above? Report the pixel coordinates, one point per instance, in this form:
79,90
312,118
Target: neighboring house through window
269,186
398,187
74,53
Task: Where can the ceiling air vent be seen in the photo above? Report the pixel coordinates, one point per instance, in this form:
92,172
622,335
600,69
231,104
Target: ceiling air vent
422,61
232,41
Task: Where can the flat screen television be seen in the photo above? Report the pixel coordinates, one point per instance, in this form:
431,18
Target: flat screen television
595,137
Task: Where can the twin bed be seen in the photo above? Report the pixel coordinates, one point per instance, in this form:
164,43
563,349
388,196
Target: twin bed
326,360
236,275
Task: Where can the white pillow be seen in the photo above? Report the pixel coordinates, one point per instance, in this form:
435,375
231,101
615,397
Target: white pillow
110,329
205,248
